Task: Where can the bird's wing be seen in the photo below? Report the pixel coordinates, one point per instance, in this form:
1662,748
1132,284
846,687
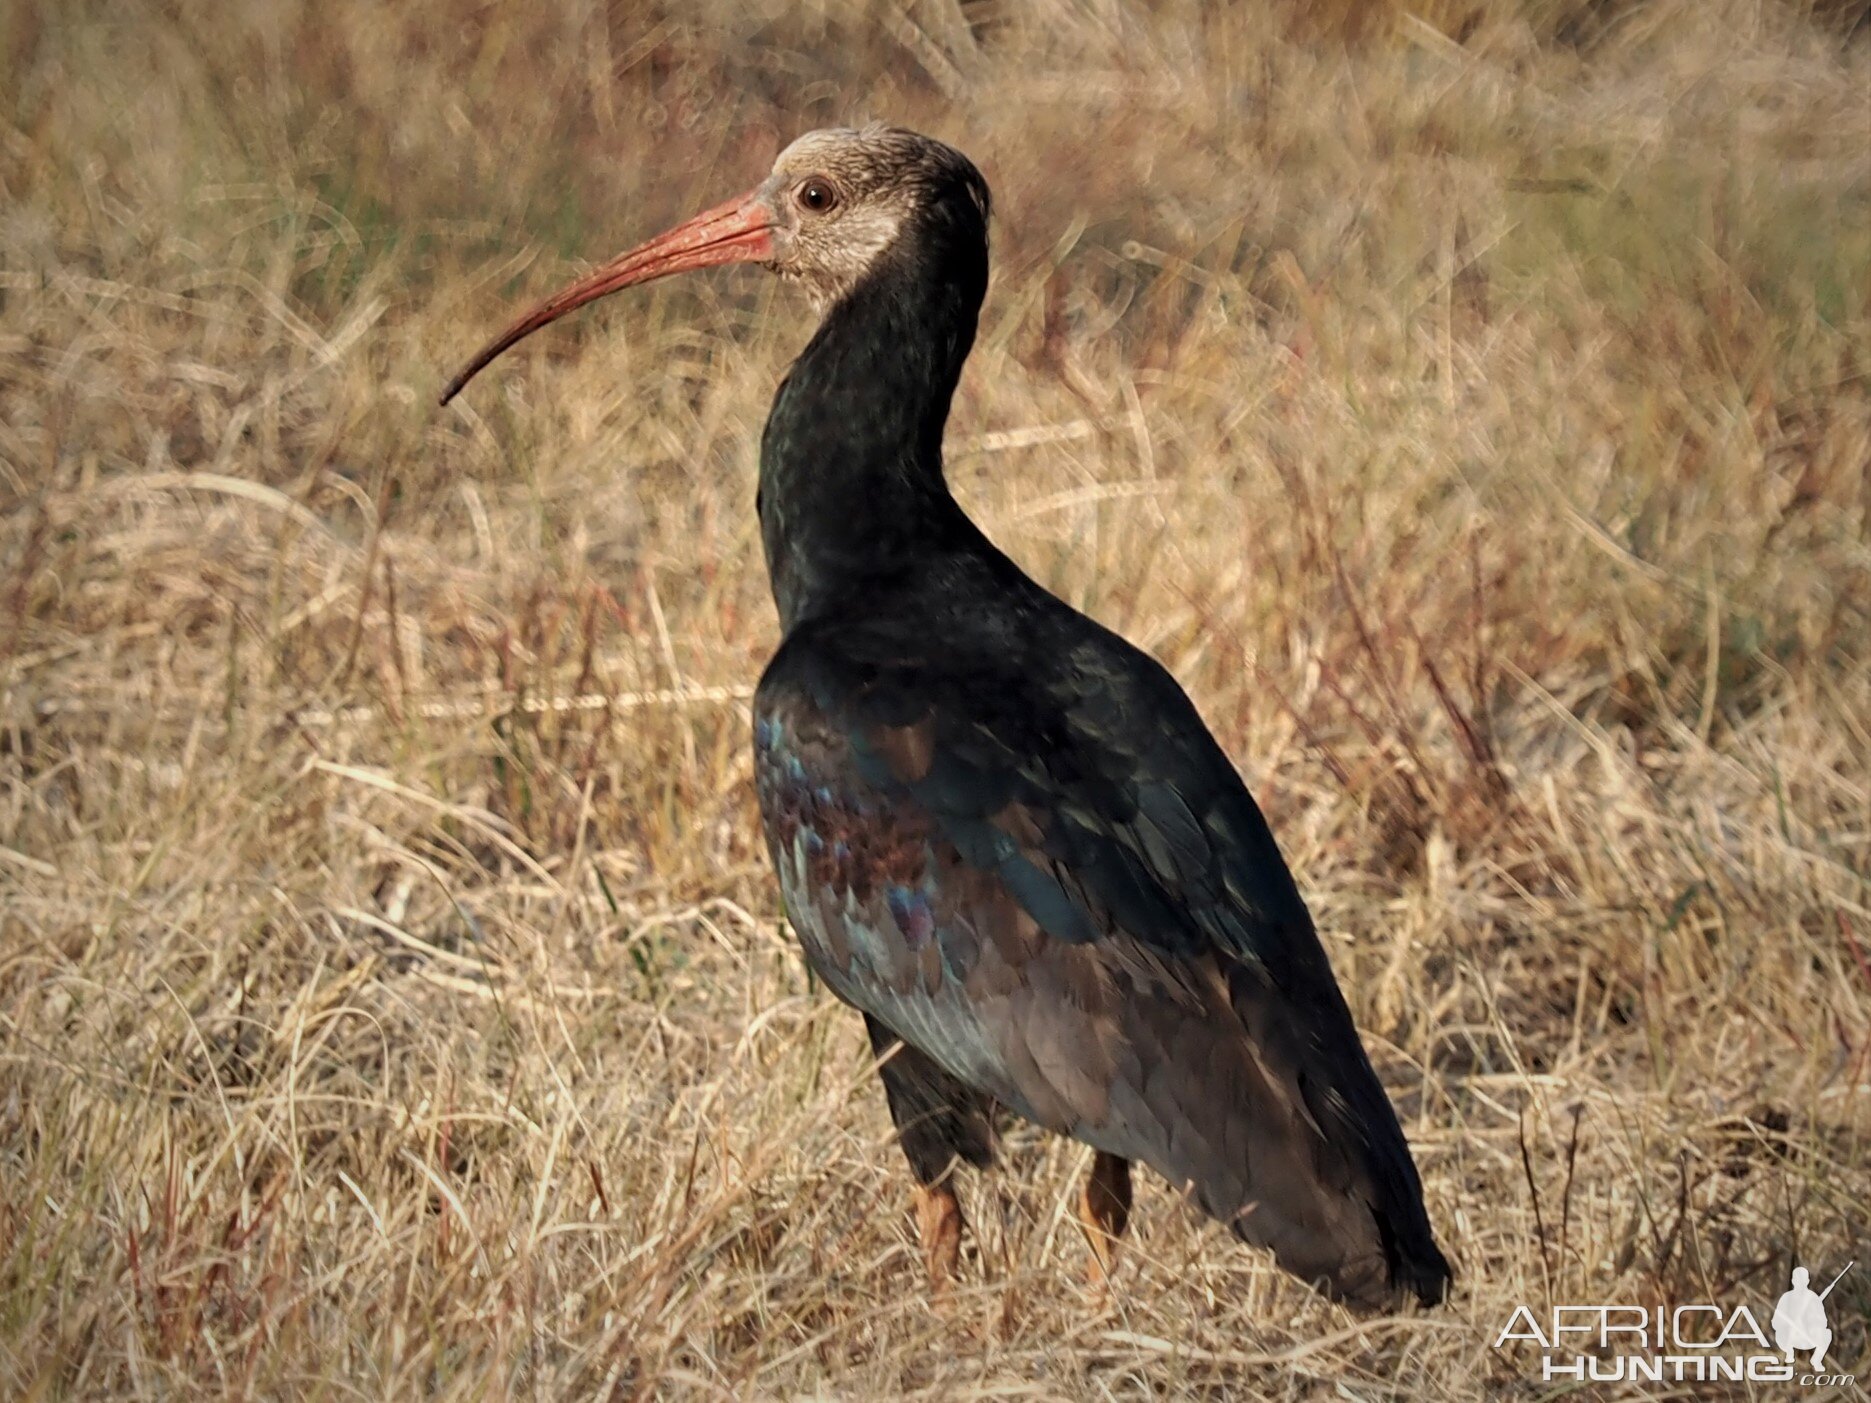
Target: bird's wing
1054,883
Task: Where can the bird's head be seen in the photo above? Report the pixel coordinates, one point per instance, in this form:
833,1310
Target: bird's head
837,202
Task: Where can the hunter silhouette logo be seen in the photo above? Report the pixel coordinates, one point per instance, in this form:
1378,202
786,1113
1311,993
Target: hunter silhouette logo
1693,1342
1800,1318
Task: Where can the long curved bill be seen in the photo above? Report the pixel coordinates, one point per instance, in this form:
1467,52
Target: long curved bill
740,231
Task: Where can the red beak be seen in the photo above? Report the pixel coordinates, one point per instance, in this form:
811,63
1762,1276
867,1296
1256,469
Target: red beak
740,231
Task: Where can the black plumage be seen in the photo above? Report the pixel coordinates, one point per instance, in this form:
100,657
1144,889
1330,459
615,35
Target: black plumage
1001,831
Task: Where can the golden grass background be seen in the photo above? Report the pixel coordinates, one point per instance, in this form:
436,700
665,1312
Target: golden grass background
1467,401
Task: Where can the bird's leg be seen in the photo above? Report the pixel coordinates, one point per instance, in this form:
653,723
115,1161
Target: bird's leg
940,1123
938,1225
1104,1212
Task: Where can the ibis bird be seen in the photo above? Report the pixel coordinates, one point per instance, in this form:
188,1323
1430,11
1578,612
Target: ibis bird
1001,832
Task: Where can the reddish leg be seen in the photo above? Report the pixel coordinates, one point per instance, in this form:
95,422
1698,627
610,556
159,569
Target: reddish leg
1104,1212
938,1224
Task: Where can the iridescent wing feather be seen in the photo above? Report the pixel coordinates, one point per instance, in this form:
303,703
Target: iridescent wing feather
1057,888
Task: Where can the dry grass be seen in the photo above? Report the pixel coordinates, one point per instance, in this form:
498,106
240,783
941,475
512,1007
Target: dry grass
1470,407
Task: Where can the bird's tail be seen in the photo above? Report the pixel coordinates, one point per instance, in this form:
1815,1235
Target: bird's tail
1362,1148
1417,1267
1298,1149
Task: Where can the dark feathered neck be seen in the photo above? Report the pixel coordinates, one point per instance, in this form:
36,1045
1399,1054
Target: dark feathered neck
851,485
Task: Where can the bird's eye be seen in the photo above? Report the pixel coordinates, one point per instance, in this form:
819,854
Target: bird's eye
817,195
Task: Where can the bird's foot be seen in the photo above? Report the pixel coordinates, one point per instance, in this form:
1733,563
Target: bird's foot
1104,1213
938,1224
